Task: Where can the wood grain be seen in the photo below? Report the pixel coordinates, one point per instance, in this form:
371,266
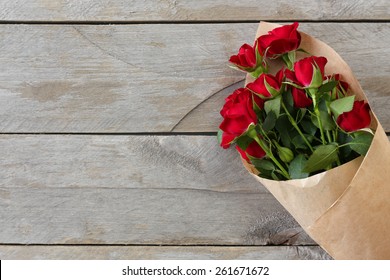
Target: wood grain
162,252
151,78
187,10
57,189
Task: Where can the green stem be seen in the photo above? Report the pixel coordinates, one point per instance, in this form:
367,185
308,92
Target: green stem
295,125
328,135
334,136
270,155
287,61
255,74
317,112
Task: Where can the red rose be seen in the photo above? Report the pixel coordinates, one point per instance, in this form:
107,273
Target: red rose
280,40
267,85
309,72
253,150
301,100
359,117
238,114
246,58
237,96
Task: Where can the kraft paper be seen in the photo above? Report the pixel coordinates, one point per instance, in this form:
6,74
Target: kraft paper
346,210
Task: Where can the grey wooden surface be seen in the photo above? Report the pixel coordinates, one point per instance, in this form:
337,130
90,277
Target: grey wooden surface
190,10
100,78
108,114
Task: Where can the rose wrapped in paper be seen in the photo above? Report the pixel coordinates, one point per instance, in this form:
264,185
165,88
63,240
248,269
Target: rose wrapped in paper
315,144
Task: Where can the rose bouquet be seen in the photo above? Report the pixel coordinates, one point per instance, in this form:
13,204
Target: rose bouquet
304,129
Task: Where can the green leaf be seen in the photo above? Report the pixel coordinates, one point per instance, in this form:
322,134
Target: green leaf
219,136
288,101
243,141
342,105
344,150
326,121
300,114
296,167
308,127
275,177
299,143
265,167
361,143
270,121
273,105
262,164
321,158
327,86
285,129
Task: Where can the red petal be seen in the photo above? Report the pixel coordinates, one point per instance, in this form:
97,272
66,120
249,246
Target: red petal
285,31
359,117
280,40
253,150
291,76
242,153
259,102
226,140
304,71
320,62
301,100
258,86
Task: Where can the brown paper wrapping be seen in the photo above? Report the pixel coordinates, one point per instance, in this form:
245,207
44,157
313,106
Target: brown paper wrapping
346,210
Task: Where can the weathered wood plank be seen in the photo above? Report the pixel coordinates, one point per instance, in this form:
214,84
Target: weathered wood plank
184,10
151,78
176,190
162,252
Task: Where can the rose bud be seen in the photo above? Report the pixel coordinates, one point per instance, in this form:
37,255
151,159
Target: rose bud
238,114
341,88
301,100
309,72
280,40
285,154
247,58
266,85
342,85
358,118
253,150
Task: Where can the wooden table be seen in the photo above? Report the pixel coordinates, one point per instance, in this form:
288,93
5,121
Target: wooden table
108,119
